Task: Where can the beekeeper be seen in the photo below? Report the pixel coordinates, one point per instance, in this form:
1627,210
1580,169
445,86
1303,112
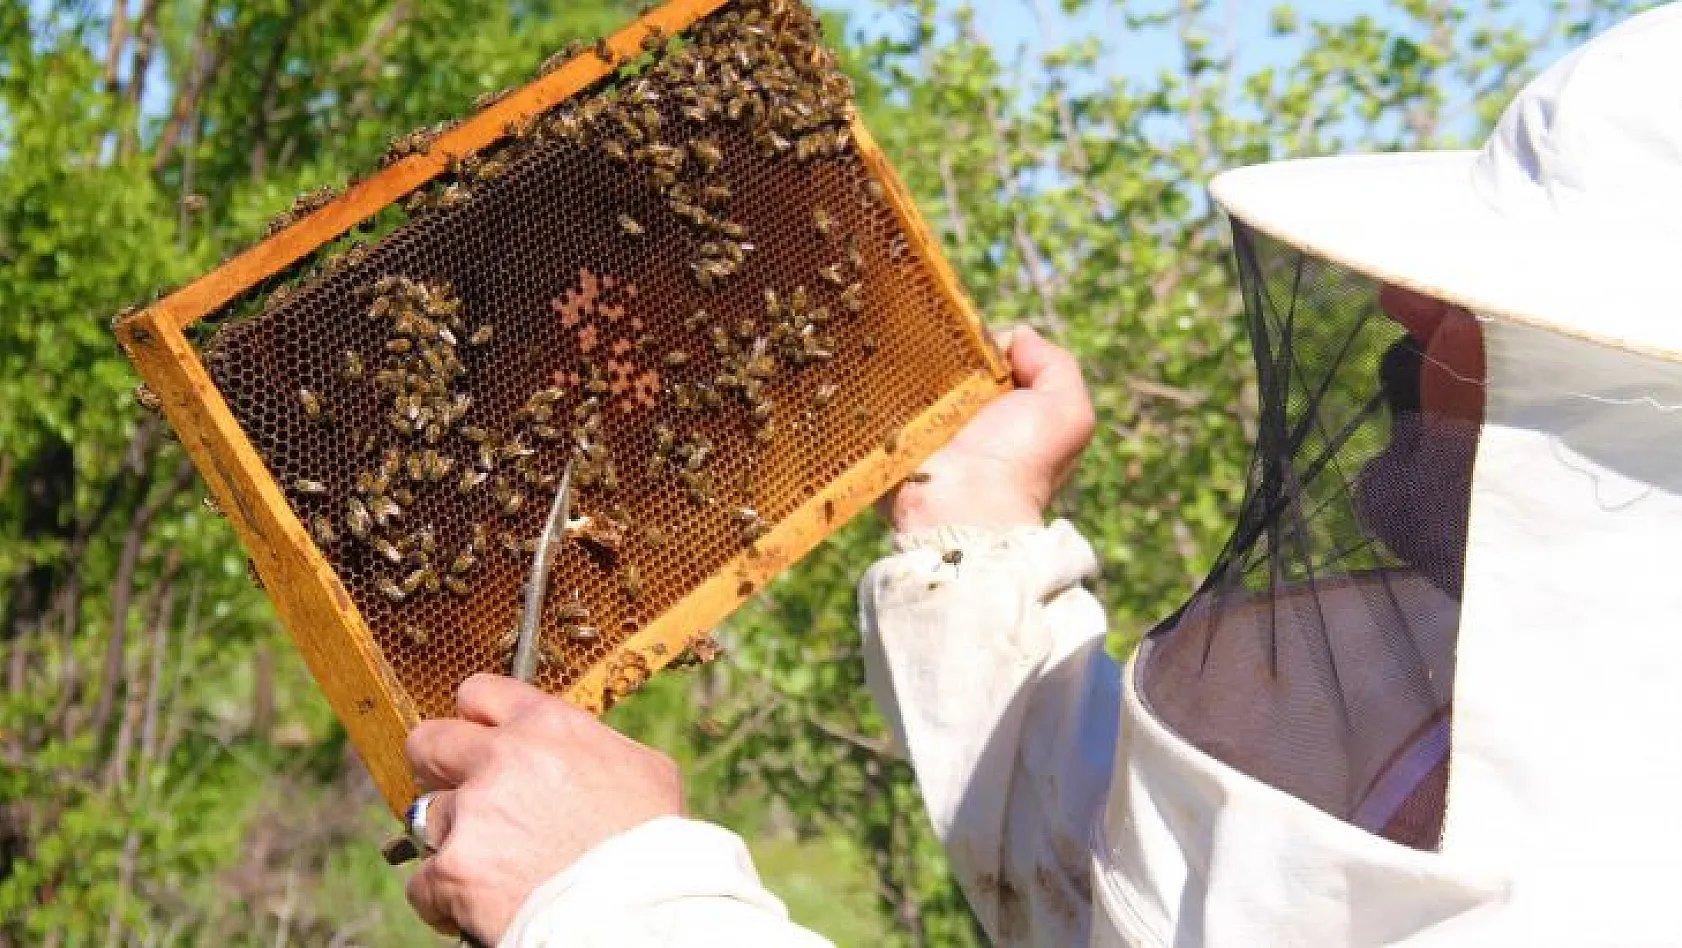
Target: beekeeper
1430,695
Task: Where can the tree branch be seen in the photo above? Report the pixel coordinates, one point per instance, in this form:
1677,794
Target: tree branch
146,38
205,62
143,693
116,43
1033,264
267,89
123,592
954,210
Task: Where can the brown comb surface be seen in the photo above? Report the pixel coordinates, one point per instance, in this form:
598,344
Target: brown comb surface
609,287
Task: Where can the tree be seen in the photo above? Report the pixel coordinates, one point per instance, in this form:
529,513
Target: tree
141,717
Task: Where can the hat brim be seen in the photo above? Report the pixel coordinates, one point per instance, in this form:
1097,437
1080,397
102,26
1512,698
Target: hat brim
1416,220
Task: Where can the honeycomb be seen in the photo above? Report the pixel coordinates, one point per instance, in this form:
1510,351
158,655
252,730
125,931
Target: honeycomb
685,277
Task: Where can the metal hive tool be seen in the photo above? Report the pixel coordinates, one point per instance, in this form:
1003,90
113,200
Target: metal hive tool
677,256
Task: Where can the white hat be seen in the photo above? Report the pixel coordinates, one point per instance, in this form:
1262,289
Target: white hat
1569,219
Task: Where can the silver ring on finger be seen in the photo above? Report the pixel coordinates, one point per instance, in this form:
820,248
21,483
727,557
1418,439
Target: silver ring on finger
415,821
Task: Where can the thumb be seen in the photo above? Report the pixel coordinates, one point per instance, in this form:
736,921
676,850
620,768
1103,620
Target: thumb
1044,367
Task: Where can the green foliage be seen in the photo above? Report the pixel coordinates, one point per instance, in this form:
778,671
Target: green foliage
168,773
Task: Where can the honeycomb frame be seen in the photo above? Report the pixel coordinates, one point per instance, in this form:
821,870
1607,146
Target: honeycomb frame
356,674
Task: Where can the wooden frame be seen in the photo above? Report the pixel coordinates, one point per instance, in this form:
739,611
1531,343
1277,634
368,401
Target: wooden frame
314,605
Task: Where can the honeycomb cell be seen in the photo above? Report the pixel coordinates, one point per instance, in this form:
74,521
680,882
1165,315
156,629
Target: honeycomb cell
712,367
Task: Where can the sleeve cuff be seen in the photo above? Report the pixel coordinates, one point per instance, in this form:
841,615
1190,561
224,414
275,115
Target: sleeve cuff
662,861
1052,558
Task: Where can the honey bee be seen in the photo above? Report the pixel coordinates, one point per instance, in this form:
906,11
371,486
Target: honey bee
399,345
629,226
438,466
603,51
358,521
464,562
890,444
322,529
354,367
631,582
384,510
573,610
705,648
568,126
452,195
825,394
212,507
677,359
919,477
148,399
387,550
553,62
488,99
416,635
392,591
513,504
309,488
855,258
832,274
583,634
707,153
508,639
312,404
822,222
952,558
470,481
403,496
418,580
455,585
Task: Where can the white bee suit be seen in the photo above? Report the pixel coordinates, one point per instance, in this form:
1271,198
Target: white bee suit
1565,674
1432,693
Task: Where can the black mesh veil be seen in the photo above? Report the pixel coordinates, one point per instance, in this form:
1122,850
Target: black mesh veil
1318,655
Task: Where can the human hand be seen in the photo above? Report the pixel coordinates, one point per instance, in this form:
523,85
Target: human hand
1004,467
528,784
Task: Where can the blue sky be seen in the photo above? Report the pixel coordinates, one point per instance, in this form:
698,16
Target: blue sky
1014,25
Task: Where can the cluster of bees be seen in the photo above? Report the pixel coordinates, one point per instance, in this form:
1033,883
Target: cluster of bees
417,369
302,206
761,66
758,68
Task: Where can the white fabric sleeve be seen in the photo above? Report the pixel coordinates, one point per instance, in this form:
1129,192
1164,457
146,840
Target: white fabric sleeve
671,882
992,672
